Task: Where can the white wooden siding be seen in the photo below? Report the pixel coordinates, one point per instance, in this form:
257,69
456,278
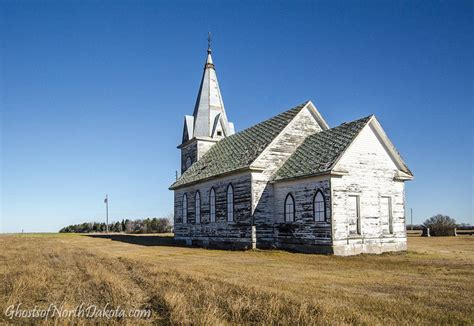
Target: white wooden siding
370,176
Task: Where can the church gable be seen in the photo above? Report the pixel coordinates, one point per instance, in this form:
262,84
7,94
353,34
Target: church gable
308,121
372,147
366,151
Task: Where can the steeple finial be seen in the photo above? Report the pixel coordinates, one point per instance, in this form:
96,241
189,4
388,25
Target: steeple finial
209,42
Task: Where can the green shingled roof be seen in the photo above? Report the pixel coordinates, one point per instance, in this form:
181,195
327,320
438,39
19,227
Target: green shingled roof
237,151
320,151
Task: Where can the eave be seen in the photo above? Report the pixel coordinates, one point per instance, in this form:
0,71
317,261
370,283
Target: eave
402,176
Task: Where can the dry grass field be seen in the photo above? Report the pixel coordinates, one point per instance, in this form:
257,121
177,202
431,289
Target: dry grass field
431,284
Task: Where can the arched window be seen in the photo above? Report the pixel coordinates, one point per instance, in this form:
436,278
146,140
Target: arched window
185,209
212,205
189,161
230,203
198,207
319,207
289,208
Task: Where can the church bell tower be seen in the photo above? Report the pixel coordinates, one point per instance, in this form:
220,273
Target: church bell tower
209,123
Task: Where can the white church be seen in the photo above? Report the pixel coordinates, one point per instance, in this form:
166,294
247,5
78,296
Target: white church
289,182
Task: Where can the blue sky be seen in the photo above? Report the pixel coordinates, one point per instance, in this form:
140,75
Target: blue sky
93,94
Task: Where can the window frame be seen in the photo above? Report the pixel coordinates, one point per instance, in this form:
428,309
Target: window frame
184,208
289,195
390,212
212,204
358,214
230,213
319,191
197,208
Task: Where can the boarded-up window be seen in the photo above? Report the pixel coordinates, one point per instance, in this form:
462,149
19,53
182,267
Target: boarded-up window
230,203
198,208
386,215
353,215
289,208
185,209
319,207
212,205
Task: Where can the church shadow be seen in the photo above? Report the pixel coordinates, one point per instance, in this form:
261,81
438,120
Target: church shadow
142,240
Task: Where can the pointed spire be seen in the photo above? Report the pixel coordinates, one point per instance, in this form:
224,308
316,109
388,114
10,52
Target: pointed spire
209,117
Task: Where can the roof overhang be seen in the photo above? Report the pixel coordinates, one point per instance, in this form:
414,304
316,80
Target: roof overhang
402,176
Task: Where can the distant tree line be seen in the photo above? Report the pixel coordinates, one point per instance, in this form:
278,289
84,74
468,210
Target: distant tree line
148,225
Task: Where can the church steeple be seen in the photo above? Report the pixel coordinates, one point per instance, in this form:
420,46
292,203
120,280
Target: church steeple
209,118
209,123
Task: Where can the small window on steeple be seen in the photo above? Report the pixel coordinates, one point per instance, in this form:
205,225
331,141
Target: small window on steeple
188,162
219,133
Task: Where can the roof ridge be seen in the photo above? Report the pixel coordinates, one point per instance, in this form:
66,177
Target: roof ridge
299,107
353,121
344,124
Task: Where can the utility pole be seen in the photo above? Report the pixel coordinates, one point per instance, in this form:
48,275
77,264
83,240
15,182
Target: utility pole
411,213
106,201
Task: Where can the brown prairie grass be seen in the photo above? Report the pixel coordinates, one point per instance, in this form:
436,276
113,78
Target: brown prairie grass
431,284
